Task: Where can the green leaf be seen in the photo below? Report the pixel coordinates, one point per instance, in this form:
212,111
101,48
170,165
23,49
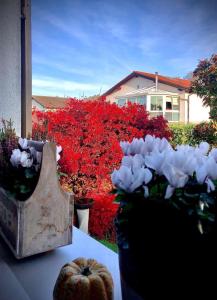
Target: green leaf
24,189
114,191
61,174
29,173
119,198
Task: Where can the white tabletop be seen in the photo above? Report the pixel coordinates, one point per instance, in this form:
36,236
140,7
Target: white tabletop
34,277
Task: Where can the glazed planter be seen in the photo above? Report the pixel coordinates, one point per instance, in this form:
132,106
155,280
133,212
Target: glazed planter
82,206
162,255
44,221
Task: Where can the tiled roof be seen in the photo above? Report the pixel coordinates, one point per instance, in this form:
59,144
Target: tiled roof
176,82
183,83
51,102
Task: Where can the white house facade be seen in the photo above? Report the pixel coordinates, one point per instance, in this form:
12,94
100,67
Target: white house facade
161,95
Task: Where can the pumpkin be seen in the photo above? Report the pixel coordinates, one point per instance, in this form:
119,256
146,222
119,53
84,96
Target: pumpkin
83,279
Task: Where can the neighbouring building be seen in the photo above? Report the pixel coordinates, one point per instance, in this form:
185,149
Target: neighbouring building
45,103
161,95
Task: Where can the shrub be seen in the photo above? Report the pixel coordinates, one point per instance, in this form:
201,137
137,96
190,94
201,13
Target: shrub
205,131
102,217
8,142
182,134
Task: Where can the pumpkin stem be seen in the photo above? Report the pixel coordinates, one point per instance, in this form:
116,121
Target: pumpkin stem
86,271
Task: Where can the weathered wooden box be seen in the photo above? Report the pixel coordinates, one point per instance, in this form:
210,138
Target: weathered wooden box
44,221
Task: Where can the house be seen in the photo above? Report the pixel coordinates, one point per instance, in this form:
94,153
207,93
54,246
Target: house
45,103
161,95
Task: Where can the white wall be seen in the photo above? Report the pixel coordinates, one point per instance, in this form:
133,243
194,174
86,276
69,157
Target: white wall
10,62
197,112
129,86
36,105
139,82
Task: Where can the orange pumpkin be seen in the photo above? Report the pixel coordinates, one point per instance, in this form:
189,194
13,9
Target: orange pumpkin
83,279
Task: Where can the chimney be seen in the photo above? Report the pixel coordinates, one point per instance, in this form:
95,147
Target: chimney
156,81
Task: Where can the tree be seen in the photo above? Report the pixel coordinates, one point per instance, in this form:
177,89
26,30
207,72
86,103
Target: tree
189,75
204,83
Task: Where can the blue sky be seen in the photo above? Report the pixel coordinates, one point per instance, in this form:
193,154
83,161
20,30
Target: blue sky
84,47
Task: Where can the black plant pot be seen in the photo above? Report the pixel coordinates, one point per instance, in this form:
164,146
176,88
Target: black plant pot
162,255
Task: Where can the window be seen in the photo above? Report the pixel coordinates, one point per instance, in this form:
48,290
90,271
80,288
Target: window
172,103
155,114
175,103
156,103
133,100
172,116
122,101
141,100
172,109
169,104
138,100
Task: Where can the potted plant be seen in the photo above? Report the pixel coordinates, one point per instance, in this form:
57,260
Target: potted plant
82,206
35,214
166,222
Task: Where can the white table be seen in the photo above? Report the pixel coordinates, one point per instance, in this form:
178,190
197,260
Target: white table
33,278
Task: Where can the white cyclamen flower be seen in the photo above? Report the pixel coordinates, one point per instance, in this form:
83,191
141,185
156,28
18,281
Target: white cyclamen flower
129,181
213,153
175,177
136,146
164,145
186,149
207,169
150,142
38,157
206,172
15,157
203,148
23,143
155,161
25,160
134,162
58,150
186,163
125,147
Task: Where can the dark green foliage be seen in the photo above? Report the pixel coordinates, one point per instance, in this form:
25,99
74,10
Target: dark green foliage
182,134
193,134
205,131
204,83
8,141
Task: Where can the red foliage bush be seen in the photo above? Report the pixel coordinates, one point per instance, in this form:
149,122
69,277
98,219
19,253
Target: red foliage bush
102,217
89,133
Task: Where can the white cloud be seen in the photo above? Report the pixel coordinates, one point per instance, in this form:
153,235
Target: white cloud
61,66
59,87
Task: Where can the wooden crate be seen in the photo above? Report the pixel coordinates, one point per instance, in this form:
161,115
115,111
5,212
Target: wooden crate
44,221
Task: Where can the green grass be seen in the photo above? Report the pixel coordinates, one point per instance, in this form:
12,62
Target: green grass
111,246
